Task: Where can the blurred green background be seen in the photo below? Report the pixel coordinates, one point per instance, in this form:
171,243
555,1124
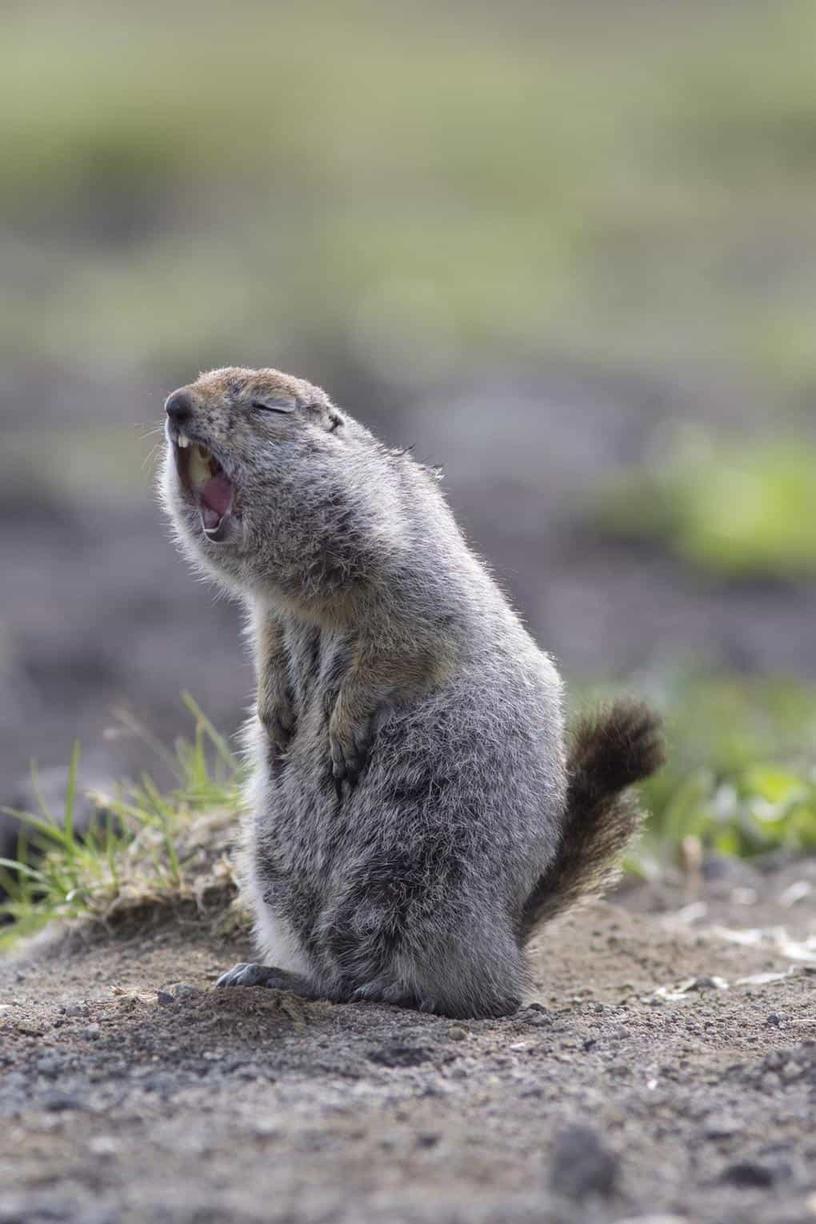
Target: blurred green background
567,250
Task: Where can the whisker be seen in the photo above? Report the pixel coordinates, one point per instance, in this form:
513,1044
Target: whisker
151,456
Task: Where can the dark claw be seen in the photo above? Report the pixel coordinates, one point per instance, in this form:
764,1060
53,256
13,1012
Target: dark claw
348,765
271,978
280,730
245,974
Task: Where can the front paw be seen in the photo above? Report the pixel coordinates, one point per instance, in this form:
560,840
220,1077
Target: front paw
349,745
279,721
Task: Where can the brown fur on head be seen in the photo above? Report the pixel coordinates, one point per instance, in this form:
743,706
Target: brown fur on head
290,475
238,386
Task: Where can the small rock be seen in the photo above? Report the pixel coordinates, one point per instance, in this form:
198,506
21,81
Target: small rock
721,1126
26,1029
706,982
181,989
457,1033
92,1032
61,1102
773,1020
538,1021
749,1175
581,1164
165,998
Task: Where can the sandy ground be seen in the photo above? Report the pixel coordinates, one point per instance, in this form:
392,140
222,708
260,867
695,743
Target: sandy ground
664,1070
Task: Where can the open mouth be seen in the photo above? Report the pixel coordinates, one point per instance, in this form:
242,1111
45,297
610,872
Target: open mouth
208,484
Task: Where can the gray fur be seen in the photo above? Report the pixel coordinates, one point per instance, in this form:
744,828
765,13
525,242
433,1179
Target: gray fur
408,765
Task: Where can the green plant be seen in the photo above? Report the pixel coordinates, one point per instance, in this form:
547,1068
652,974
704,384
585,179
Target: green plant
738,510
741,771
142,849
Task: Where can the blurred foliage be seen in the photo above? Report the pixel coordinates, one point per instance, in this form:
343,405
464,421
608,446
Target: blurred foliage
622,182
741,772
745,510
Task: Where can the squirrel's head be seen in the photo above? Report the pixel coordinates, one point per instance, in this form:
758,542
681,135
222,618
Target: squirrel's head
242,447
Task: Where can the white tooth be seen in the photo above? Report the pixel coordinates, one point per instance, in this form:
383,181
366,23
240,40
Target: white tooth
183,441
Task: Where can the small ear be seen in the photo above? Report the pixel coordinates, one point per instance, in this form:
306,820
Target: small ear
273,403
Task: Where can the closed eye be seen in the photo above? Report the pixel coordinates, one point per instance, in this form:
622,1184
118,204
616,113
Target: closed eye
274,405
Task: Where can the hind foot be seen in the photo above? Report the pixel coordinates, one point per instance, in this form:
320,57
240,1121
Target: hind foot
269,977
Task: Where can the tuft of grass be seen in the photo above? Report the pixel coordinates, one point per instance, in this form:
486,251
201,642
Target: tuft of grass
740,511
143,850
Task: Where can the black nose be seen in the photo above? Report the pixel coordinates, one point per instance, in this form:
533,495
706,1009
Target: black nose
179,406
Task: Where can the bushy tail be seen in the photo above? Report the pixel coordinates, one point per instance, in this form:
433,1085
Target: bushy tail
616,746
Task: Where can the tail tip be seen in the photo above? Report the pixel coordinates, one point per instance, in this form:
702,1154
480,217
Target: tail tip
622,743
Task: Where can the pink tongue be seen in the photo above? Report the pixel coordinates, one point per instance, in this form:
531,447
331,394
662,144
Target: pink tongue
216,496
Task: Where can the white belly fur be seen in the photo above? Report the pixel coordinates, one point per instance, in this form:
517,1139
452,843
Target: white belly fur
277,943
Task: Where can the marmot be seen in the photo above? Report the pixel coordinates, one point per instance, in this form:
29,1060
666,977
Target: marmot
413,812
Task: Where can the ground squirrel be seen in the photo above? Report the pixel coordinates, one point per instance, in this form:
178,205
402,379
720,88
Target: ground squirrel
413,811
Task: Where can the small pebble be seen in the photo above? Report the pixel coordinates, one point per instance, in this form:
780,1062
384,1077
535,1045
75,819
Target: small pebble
177,990
60,1102
457,1033
749,1175
539,1020
721,1126
183,989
